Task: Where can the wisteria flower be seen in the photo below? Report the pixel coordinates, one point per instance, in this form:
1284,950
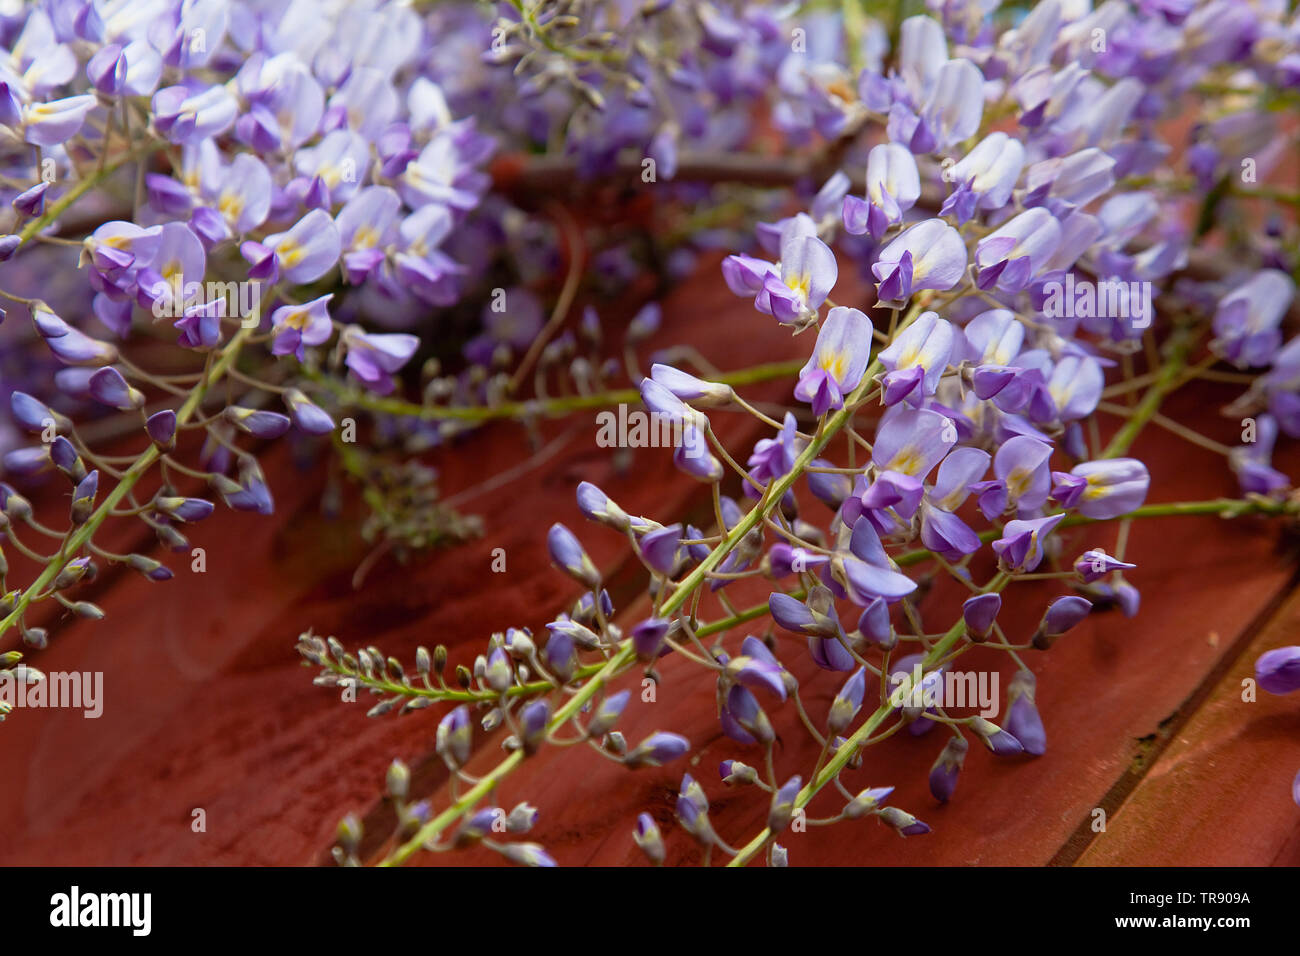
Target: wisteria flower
838,362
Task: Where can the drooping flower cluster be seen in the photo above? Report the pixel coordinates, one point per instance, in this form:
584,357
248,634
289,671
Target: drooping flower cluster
1028,227
1008,222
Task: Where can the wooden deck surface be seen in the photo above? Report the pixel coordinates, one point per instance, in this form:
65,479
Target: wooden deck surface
207,704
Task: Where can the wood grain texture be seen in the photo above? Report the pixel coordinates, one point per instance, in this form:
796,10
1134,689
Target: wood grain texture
207,704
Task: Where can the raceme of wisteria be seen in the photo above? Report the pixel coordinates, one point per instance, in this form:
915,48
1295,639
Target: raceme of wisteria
230,223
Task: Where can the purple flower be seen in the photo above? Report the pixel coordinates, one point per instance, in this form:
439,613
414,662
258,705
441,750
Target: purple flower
71,346
808,271
893,187
297,326
34,415
745,275
1075,386
838,362
184,509
1021,546
1024,479
31,202
607,714
56,121
817,617
534,718
924,349
1012,254
1246,324
992,169
689,388
659,548
929,255
1114,486
188,116
308,250
374,358
912,441
665,404
757,672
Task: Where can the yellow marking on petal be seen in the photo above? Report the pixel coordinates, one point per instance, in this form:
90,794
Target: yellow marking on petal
366,237
290,253
1018,481
297,319
908,461
230,206
834,364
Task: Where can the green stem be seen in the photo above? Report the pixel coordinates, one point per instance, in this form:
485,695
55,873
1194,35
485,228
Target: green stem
81,537
626,654
1180,346
549,408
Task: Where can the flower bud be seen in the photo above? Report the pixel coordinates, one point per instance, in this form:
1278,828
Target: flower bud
399,780
847,702
995,738
1062,614
1023,721
693,810
734,772
150,568
72,572
161,427
533,720
597,506
521,819
569,557
656,750
902,821
452,741
782,810
1278,671
979,613
648,838
527,854
607,714
499,673
257,422
83,498
349,833
943,775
